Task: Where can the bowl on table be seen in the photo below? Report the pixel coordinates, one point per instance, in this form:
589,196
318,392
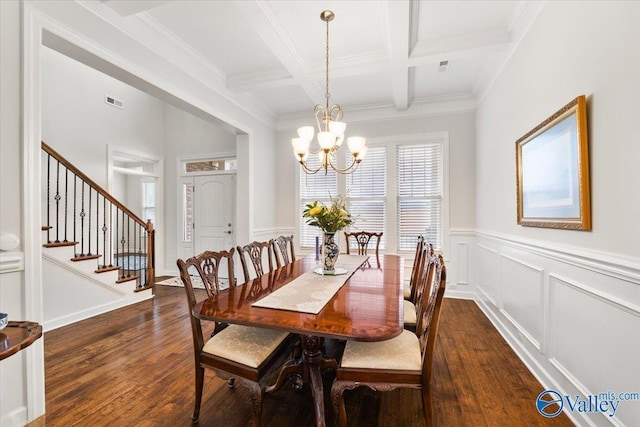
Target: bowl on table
4,319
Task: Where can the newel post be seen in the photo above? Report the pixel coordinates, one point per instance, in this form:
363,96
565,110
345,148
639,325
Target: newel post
151,254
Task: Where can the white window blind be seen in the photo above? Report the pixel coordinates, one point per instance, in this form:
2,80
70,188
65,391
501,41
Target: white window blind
366,193
314,187
419,169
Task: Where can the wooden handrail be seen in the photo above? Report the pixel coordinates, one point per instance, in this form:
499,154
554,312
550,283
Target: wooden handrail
92,183
147,226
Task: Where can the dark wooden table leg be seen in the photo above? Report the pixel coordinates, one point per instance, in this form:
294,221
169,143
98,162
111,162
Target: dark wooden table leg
310,368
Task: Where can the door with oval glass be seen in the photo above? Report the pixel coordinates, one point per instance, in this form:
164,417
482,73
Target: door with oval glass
214,201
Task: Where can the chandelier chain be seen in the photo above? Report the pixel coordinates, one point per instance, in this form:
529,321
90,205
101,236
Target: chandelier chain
326,94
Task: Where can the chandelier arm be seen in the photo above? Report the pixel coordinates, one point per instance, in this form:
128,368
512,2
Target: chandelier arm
309,171
319,109
337,108
351,168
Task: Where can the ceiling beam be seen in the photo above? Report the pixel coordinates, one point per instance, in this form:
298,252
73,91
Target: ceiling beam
263,20
399,32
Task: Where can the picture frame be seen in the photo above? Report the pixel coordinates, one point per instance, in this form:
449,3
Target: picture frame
552,169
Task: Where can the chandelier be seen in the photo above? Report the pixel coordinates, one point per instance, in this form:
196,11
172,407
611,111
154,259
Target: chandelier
330,130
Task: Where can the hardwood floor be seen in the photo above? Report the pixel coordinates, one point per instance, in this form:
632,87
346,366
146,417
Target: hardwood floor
134,367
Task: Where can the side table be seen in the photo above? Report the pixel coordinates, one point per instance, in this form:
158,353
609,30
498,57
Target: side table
18,335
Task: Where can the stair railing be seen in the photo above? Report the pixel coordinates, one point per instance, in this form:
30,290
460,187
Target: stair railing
99,226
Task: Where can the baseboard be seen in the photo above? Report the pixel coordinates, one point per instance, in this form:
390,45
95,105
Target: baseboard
17,417
457,294
537,370
94,311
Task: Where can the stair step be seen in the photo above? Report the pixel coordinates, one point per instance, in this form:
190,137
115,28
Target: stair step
127,279
46,227
105,269
144,288
85,257
59,244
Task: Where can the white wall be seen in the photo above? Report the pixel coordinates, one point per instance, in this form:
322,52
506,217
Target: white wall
568,301
186,135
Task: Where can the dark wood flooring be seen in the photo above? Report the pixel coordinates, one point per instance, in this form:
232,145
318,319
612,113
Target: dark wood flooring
134,367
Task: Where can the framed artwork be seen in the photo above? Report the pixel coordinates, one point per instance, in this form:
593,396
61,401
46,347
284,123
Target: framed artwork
552,168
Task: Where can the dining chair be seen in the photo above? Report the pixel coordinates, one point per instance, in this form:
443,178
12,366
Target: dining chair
404,361
362,239
283,246
241,354
423,282
256,251
410,289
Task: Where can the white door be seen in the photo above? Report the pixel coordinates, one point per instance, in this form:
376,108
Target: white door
214,212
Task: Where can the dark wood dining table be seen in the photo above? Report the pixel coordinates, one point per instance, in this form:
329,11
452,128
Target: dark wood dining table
368,307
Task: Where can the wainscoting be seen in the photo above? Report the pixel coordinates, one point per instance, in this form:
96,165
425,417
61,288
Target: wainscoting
572,317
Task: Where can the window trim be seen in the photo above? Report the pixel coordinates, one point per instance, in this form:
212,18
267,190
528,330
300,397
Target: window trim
392,200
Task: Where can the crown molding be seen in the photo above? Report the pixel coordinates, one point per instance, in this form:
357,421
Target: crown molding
423,107
520,22
152,35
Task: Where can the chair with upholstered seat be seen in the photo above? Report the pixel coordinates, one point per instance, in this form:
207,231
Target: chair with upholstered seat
283,250
409,291
403,361
256,251
363,240
423,281
241,354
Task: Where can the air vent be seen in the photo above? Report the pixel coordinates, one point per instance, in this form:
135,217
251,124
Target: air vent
113,102
444,65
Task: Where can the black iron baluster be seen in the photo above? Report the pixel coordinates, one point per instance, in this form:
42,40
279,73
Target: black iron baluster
122,243
75,203
111,233
128,245
66,202
82,215
48,197
135,255
89,225
57,199
104,232
97,225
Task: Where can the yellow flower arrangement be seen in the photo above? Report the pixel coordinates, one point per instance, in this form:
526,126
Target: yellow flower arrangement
329,218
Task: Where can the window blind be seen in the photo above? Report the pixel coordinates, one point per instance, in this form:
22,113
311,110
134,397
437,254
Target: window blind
367,191
419,169
314,187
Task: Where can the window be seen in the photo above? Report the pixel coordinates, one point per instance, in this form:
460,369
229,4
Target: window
367,193
399,189
187,212
149,201
419,169
314,187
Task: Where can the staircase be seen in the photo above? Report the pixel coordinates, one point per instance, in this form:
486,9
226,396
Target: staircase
97,254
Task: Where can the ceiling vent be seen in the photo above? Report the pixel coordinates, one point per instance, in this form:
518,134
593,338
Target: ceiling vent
444,65
113,102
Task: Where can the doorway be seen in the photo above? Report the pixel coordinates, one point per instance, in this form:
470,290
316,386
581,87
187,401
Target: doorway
208,212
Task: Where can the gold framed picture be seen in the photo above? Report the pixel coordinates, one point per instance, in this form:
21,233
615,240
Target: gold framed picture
552,168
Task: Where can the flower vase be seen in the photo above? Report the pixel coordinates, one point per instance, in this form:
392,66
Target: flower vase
330,252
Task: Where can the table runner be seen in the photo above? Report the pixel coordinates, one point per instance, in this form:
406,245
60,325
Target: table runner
310,292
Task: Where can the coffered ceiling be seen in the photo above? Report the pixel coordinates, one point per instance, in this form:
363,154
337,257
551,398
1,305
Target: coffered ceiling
394,55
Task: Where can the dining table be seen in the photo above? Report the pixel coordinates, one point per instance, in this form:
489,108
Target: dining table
363,303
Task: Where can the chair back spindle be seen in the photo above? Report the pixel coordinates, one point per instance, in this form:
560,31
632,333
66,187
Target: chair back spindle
256,251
